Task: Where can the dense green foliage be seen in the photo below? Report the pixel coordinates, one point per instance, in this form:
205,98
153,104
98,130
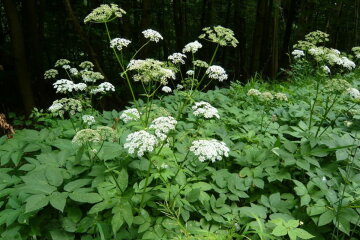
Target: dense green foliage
278,180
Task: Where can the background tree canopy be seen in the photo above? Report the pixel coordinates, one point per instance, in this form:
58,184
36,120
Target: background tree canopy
35,33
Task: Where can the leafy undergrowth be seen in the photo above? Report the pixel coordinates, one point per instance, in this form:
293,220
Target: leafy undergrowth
286,176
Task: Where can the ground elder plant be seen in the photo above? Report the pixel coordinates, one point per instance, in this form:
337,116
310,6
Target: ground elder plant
260,161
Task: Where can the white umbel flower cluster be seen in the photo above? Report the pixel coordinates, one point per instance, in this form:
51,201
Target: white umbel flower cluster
59,107
166,89
140,142
86,135
211,150
298,53
103,88
325,69
190,72
152,35
88,119
354,93
177,58
253,92
205,109
90,76
281,96
51,73
131,114
192,47
267,96
119,43
347,63
162,126
217,73
66,86
104,13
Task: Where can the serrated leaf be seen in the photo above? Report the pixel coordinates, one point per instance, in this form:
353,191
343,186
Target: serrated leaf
193,195
123,179
279,231
71,186
301,233
116,222
54,176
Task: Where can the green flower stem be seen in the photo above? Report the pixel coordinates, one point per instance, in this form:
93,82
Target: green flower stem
327,110
313,106
136,53
210,63
124,70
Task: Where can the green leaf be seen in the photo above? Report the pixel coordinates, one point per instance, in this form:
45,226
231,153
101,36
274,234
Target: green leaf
85,197
279,230
123,179
36,202
181,178
193,195
54,176
116,222
61,235
71,186
202,185
303,234
58,200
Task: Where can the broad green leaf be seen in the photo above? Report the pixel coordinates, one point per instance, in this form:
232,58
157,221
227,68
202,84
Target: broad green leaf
58,200
123,179
116,222
71,186
85,197
36,202
193,195
279,230
303,234
54,176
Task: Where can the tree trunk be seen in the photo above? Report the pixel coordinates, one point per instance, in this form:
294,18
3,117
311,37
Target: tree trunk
258,35
91,51
178,23
240,62
17,40
274,67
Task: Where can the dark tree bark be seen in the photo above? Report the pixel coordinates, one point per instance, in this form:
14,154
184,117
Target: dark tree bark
91,51
274,67
22,69
178,23
258,35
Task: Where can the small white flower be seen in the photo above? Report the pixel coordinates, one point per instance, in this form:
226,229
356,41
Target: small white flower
190,72
353,92
267,96
348,123
131,114
164,166
192,47
86,135
347,63
179,87
211,150
177,58
162,126
51,73
326,69
90,76
80,86
119,43
298,53
74,71
64,86
166,89
253,92
152,35
281,96
88,119
103,88
66,66
324,179
217,73
205,109
140,142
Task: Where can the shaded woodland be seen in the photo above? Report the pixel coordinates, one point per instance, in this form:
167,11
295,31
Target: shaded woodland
35,33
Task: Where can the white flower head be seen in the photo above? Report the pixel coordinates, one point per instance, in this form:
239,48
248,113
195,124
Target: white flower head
119,43
281,96
217,73
140,142
104,13
162,126
152,35
74,71
205,109
59,107
211,150
253,92
166,89
190,72
66,67
80,86
64,86
61,62
192,47
131,114
179,87
86,135
51,73
298,53
325,69
86,65
354,93
267,96
90,76
177,58
88,119
347,63
103,88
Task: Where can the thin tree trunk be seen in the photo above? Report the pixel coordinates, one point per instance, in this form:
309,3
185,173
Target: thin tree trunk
91,51
178,23
275,40
241,71
258,35
17,40
356,33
